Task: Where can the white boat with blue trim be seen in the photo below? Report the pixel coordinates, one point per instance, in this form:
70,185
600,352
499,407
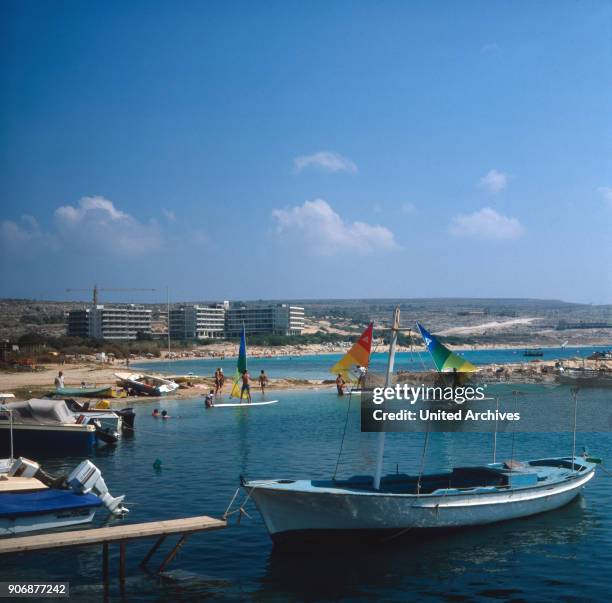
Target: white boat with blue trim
299,512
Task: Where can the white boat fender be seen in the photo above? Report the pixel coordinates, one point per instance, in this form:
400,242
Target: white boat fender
86,478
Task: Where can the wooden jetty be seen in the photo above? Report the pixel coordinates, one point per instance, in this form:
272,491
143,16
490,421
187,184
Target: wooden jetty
120,534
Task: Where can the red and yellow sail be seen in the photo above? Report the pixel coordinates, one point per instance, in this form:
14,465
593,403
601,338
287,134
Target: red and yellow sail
358,355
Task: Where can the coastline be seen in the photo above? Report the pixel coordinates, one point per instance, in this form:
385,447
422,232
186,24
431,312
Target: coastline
37,383
222,352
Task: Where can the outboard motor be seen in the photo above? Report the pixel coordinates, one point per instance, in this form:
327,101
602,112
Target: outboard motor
87,478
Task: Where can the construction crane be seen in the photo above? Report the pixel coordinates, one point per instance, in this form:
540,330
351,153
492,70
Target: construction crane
97,289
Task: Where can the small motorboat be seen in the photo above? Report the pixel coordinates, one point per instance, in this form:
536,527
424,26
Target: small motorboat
127,415
149,385
44,426
32,500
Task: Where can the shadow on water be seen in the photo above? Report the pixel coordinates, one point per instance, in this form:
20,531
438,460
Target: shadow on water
446,564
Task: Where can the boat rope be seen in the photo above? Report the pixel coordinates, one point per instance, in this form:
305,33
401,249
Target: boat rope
424,452
241,510
346,420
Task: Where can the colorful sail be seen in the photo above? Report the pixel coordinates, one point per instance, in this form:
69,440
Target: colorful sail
240,367
358,355
443,358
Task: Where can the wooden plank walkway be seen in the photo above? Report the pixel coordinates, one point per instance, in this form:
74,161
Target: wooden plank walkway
120,534
130,531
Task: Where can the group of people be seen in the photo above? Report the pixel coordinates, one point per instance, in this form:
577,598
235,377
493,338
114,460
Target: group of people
209,400
160,415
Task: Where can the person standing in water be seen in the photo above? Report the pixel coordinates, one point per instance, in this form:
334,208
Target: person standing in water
340,382
221,379
263,381
209,401
217,382
246,386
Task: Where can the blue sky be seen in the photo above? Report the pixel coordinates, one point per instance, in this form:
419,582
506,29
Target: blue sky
307,149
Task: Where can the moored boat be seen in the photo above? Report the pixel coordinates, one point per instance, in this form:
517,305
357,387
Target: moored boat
149,385
31,500
534,352
44,426
84,392
299,512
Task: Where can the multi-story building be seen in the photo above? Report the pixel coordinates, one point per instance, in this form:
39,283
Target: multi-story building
279,319
125,321
197,322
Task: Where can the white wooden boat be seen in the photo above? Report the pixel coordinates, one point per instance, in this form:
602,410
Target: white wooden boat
299,512
302,511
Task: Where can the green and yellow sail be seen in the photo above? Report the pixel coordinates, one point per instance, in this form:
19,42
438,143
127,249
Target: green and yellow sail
240,367
443,358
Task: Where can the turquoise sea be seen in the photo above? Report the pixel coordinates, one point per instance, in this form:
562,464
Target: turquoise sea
317,367
564,555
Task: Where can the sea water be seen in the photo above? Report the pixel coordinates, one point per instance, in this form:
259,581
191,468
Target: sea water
318,366
562,555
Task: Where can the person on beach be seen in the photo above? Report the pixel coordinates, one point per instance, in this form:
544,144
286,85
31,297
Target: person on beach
246,386
155,413
217,382
263,381
209,401
340,383
59,380
221,379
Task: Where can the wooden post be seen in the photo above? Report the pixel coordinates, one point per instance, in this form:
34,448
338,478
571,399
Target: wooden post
105,567
172,554
151,552
122,565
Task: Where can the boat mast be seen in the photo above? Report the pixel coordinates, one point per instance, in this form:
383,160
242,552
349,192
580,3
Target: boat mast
390,363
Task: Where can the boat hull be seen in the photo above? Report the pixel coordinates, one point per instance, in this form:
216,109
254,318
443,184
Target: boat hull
45,521
47,440
44,510
292,516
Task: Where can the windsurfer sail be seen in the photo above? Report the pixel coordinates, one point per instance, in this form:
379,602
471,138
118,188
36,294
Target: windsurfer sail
443,358
240,367
357,356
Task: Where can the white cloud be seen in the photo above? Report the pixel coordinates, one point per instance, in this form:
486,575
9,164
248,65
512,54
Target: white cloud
95,221
486,224
325,160
494,181
26,230
327,233
169,215
103,209
408,208
606,193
